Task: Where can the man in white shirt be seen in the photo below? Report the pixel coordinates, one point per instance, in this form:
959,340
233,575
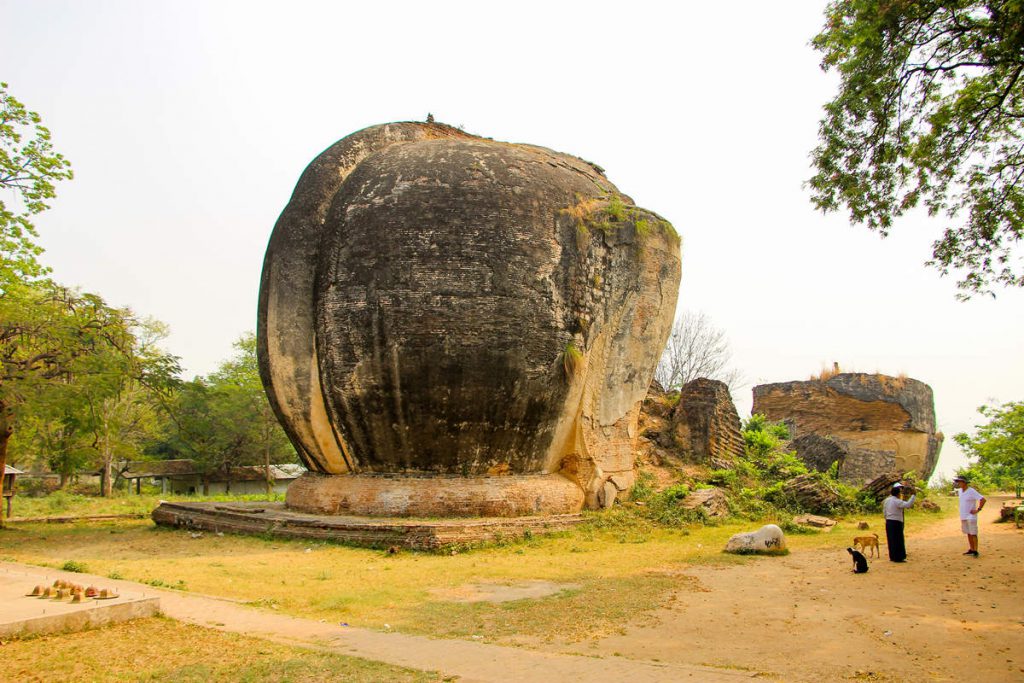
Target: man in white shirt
971,503
893,507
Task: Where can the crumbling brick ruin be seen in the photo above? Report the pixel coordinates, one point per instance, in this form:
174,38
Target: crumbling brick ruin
871,424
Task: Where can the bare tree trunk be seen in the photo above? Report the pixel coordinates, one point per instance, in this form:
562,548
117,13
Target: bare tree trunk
63,481
108,479
108,460
6,429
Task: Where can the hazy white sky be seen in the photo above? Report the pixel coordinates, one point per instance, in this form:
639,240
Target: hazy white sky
188,124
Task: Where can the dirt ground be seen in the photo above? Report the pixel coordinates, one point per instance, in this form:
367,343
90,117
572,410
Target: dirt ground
803,617
806,617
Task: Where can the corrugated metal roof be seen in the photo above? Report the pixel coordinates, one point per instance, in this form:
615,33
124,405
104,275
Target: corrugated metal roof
10,470
158,468
253,473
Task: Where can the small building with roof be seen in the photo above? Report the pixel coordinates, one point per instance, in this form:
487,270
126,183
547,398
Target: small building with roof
184,477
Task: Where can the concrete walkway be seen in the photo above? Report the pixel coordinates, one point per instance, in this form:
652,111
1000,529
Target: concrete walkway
471,662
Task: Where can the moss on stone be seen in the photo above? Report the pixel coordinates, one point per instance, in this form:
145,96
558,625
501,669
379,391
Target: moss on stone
612,213
572,361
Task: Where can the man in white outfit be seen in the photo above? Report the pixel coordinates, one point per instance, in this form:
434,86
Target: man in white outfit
971,503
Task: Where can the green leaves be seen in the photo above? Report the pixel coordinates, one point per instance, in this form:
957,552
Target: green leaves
998,445
929,111
29,169
225,419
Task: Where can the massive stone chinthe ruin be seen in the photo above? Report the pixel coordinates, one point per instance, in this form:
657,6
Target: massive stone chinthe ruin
455,326
870,423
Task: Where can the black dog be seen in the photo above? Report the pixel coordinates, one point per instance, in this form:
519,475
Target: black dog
860,563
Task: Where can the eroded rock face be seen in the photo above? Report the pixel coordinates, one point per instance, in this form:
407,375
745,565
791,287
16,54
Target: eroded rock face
700,426
873,424
434,304
712,500
707,424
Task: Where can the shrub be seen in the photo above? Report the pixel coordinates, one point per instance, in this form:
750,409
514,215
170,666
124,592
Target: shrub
724,478
674,494
755,423
73,566
759,443
616,208
665,508
778,465
643,489
788,526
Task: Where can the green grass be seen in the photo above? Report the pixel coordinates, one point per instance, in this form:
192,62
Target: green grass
159,649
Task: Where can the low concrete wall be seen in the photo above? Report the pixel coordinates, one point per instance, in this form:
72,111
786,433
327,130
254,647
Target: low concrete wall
90,615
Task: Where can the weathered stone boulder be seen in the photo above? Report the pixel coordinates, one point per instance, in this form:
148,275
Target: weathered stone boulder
700,425
819,452
768,540
706,423
446,319
712,500
655,424
879,487
810,492
815,521
877,423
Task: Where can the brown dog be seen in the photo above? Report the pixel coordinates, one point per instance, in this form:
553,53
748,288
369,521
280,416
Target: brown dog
866,542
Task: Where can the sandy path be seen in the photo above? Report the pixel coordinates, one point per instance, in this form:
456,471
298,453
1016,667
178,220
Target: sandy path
807,617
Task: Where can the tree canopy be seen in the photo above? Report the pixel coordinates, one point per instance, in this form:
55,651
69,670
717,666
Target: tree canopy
929,112
29,168
998,445
68,360
224,420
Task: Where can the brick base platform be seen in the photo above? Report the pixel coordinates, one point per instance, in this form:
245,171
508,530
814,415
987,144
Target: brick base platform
387,495
421,534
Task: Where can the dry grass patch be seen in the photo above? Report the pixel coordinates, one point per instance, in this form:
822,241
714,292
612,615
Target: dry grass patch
827,373
159,649
624,568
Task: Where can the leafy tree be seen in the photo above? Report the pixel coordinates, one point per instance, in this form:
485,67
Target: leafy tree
930,110
52,428
240,376
998,445
54,339
67,358
118,388
225,420
28,170
695,348
101,408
